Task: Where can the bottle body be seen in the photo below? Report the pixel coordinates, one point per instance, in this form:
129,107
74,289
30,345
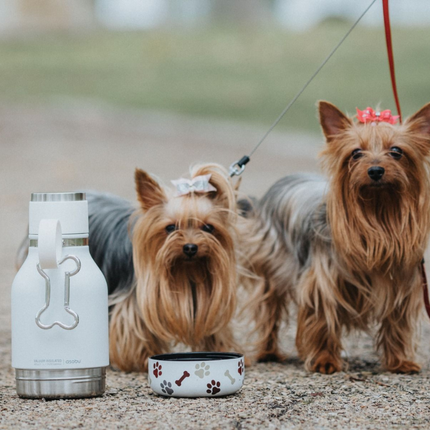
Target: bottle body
84,347
60,338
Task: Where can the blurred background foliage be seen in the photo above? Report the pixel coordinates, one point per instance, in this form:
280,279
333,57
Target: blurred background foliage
227,69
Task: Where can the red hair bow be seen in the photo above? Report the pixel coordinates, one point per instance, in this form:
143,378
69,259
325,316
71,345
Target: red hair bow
369,115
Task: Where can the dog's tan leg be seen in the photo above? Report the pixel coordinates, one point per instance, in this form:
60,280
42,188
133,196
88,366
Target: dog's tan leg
318,330
275,271
131,343
396,340
220,342
269,315
133,355
317,344
268,307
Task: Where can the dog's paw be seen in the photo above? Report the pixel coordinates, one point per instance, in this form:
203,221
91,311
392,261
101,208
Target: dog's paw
274,356
327,364
247,361
406,367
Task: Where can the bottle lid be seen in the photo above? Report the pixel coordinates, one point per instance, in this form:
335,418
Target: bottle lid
70,208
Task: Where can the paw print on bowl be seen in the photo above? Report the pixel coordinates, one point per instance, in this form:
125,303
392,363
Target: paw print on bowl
240,367
166,387
157,369
202,370
196,374
213,387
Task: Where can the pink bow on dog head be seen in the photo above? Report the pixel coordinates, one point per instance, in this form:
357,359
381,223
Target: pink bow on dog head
369,115
199,184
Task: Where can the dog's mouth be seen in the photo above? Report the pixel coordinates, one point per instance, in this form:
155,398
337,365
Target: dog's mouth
186,259
379,185
379,192
189,260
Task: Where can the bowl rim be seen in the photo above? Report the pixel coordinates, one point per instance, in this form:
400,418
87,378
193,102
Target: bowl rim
197,356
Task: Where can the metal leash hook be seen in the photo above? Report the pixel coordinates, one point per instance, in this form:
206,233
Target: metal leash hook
238,167
66,295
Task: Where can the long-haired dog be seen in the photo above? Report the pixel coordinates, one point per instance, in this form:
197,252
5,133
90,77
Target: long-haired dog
348,250
170,265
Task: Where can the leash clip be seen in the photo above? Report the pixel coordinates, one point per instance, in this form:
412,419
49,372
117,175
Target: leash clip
237,168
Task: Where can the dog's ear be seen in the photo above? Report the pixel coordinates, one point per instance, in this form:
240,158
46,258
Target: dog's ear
332,120
149,193
224,195
419,122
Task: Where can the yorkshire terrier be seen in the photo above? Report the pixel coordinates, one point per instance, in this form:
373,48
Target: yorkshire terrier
347,250
170,265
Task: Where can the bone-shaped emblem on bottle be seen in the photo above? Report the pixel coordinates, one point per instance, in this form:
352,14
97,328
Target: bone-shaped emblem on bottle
66,295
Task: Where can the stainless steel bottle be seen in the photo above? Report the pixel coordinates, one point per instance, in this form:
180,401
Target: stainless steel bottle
60,345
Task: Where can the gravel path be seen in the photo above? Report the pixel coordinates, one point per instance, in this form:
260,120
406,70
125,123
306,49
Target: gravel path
81,146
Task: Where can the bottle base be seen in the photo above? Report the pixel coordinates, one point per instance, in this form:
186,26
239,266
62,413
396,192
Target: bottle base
60,383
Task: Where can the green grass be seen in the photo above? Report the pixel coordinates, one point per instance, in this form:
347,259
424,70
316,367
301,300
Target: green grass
239,74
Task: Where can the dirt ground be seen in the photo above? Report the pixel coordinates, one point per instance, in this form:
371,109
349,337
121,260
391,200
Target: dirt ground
73,146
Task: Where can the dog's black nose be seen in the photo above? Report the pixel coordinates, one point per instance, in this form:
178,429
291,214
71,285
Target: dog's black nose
376,173
190,249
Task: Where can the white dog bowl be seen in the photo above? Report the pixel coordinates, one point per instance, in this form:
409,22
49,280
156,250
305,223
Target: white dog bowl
196,374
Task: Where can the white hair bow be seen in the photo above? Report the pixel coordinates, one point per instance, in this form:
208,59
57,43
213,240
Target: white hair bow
199,184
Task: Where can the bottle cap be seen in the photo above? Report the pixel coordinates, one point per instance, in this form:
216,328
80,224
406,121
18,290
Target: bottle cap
71,209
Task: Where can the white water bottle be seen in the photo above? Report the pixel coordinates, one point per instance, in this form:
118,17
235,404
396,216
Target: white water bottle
60,339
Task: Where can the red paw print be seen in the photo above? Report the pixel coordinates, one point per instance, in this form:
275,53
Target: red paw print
157,370
213,387
240,367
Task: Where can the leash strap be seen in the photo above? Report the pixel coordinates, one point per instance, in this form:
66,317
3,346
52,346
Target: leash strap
238,167
425,288
386,10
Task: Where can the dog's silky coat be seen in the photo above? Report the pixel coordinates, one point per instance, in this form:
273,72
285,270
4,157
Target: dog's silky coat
348,249
170,267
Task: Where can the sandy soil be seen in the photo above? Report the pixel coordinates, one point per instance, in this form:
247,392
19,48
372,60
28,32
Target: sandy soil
81,146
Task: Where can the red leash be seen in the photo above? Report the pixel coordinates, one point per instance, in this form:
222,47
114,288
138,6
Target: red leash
387,26
425,288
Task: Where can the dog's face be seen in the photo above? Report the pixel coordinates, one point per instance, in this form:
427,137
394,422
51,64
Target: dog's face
194,229
185,230
184,257
376,159
378,203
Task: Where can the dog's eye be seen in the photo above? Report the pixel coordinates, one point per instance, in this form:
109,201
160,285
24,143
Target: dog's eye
208,228
170,228
396,152
356,154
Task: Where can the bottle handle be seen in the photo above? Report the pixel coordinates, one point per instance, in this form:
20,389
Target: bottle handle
49,243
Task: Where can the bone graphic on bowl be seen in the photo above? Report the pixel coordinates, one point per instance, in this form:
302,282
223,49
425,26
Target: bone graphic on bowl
232,380
179,381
